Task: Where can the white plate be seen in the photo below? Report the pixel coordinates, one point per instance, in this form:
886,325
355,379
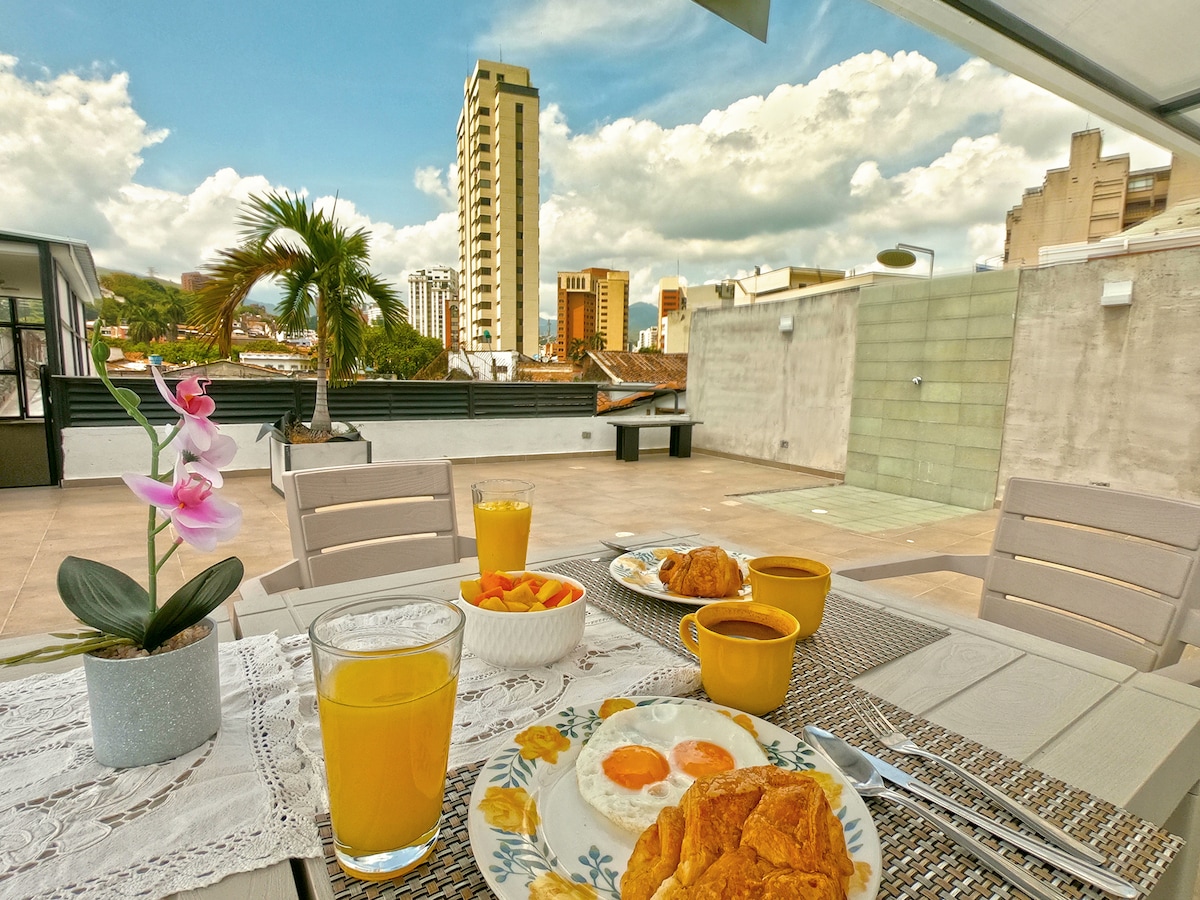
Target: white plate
535,825
638,571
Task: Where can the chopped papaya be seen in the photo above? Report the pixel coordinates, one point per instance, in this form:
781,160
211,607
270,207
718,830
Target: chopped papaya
518,592
548,590
562,594
491,580
521,594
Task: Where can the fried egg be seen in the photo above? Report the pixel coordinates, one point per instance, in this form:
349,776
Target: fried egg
641,759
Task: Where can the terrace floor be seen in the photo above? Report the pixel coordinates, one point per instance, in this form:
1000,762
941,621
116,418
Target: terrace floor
576,500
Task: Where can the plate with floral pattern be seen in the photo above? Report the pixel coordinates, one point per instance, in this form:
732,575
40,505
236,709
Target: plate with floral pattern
533,835
638,571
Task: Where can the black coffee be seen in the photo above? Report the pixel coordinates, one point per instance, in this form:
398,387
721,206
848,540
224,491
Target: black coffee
788,572
743,628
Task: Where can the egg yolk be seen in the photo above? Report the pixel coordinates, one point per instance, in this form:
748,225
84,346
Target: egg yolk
634,766
698,758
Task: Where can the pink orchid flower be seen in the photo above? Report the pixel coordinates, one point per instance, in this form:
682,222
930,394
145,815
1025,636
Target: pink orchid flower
198,516
190,401
220,452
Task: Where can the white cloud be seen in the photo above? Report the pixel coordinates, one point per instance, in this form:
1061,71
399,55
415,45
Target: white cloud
522,30
874,150
429,180
66,145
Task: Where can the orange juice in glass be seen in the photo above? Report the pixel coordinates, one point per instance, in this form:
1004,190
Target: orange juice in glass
386,674
503,509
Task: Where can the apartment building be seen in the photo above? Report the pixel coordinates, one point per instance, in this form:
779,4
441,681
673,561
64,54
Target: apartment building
498,209
592,302
433,303
1092,198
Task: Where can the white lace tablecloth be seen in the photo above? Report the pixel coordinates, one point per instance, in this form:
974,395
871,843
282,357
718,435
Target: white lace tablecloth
70,827
612,660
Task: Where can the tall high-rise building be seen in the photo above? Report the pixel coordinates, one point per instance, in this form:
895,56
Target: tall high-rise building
498,209
592,302
1094,197
432,296
672,295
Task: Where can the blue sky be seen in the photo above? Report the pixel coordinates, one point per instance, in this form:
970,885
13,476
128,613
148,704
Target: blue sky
153,120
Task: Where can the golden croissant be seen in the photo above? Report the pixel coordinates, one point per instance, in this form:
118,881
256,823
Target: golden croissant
703,572
759,833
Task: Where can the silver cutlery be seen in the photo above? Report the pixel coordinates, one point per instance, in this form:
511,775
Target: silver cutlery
629,548
1085,871
866,780
875,720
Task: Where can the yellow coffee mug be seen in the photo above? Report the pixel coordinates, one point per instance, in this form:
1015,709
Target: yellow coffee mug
793,583
745,651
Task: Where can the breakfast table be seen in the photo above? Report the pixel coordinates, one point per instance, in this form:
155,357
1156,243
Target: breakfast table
1107,752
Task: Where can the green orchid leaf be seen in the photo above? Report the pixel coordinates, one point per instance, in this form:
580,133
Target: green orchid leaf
194,601
105,598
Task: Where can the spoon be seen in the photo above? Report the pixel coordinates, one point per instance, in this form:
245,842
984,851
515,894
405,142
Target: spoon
866,780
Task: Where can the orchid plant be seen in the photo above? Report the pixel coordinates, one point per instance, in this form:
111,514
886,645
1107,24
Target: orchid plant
182,498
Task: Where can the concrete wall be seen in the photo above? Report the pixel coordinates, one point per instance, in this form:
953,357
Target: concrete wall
105,453
1108,394
756,387
938,440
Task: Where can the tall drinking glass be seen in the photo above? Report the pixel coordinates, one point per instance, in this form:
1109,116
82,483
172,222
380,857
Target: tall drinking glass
503,508
386,674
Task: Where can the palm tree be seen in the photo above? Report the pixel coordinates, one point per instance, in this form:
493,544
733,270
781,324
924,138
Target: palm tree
147,323
323,269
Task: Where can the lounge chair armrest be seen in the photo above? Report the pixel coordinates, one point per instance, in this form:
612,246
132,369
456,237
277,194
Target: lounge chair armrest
893,567
1186,670
284,578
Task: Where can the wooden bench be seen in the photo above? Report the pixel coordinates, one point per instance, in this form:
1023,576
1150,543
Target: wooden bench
629,429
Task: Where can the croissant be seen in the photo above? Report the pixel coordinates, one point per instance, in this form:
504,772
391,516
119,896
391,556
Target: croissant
703,572
759,832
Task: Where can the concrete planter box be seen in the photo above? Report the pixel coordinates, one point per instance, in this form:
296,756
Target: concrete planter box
287,457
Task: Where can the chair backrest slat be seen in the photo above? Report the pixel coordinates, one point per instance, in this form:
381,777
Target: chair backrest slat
384,558
1111,572
1157,568
354,522
1172,522
1148,616
365,522
1077,633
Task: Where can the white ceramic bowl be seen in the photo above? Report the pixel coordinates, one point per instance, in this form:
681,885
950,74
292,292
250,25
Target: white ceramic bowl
522,640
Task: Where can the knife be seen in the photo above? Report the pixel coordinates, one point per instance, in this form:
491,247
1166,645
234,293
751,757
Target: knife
1082,870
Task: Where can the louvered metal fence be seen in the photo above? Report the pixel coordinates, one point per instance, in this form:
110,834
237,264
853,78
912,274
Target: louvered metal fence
85,402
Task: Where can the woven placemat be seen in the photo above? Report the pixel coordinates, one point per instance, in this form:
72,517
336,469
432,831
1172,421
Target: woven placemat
853,637
918,862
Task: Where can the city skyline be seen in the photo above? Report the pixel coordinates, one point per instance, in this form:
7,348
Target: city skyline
142,131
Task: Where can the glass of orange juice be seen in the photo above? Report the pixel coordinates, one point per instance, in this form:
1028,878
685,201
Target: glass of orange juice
386,675
503,508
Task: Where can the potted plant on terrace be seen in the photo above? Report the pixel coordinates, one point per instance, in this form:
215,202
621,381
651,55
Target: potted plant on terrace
322,267
152,673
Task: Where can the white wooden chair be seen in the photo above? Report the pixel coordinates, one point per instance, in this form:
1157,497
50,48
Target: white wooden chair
1110,572
352,522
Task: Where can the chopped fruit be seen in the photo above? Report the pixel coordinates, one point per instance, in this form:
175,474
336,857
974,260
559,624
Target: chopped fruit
523,592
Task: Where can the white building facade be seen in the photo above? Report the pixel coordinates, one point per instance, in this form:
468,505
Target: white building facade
432,293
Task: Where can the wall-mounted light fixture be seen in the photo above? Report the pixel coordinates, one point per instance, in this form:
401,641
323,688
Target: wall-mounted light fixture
902,256
785,324
1117,293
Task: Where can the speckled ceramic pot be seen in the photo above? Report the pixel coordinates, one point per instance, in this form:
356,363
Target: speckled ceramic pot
152,708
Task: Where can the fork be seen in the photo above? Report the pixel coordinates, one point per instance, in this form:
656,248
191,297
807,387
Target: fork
877,723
